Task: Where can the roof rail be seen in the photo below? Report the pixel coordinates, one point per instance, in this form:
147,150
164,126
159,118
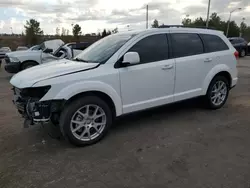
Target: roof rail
182,26
168,26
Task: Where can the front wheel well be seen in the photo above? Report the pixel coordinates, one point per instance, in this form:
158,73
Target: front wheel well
28,61
106,98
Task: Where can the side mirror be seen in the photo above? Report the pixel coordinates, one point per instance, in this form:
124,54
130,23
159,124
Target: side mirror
48,50
131,58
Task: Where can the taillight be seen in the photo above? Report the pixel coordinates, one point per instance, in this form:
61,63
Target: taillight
236,54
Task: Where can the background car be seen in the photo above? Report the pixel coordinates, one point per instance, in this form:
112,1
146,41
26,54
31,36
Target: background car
46,52
3,51
20,60
22,48
240,45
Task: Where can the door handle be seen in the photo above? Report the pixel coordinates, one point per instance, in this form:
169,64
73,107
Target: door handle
207,60
167,67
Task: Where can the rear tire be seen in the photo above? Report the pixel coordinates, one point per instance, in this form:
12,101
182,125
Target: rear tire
243,53
217,93
27,65
85,121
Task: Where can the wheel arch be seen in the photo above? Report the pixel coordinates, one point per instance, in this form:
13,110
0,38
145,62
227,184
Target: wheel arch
105,97
28,61
100,89
223,70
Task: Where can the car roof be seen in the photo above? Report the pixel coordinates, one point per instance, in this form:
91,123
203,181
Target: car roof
174,29
232,38
78,42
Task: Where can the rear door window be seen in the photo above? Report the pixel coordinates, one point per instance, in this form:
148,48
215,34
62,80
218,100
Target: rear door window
213,43
186,44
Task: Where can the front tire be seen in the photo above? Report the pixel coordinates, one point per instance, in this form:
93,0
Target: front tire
85,121
27,65
217,93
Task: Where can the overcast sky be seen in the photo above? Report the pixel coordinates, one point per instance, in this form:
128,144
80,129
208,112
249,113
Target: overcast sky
95,15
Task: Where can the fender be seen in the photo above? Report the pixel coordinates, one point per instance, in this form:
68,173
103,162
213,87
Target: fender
80,87
215,70
34,56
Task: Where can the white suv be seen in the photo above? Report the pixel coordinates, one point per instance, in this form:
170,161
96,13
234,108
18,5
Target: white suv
124,73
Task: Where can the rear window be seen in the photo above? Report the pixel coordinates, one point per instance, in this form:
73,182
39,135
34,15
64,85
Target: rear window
213,43
186,44
233,41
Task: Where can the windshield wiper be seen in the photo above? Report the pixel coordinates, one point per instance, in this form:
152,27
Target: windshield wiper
85,61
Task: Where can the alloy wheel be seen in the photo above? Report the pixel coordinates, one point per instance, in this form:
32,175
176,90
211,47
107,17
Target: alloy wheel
219,93
88,122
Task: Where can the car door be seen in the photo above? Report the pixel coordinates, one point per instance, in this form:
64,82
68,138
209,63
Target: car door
151,82
192,65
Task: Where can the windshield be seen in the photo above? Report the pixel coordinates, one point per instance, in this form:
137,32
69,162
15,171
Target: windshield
102,50
36,47
42,46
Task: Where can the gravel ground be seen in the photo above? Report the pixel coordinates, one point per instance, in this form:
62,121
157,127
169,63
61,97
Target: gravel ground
179,145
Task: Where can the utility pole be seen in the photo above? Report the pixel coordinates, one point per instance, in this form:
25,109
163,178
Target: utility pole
208,11
229,20
147,17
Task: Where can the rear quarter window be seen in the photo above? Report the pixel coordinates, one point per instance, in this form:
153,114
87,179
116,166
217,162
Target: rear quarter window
213,43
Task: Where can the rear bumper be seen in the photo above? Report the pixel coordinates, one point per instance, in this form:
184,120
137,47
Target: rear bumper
13,67
234,82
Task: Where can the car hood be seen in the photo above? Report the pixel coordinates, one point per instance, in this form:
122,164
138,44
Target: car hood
23,53
29,77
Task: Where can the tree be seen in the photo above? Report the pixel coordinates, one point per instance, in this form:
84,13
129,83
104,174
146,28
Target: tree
32,31
108,32
76,31
99,34
104,33
57,31
186,22
243,28
234,30
63,31
215,22
155,24
199,22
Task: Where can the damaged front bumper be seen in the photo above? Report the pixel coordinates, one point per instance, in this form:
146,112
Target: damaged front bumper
34,110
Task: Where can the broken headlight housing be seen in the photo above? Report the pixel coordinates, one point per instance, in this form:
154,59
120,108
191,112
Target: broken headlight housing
35,92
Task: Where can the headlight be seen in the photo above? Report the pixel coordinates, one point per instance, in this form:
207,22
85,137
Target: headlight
13,59
35,92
